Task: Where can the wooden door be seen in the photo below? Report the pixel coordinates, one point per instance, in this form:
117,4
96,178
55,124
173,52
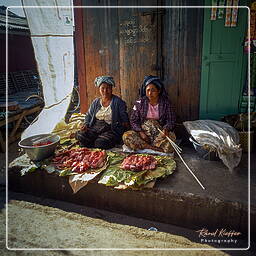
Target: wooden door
222,66
140,48
124,43
182,48
101,46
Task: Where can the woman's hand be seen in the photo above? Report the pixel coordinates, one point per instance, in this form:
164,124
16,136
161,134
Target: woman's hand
72,135
144,137
83,127
165,133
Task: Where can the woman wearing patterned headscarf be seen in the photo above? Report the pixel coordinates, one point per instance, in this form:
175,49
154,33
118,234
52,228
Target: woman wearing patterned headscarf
106,119
152,111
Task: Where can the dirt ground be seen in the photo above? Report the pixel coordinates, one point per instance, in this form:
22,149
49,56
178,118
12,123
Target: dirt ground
38,223
34,226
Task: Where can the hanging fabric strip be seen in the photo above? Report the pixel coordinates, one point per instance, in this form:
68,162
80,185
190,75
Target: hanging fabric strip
228,14
214,9
55,58
234,13
221,10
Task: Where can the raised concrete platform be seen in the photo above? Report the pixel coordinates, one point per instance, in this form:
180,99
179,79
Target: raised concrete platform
177,199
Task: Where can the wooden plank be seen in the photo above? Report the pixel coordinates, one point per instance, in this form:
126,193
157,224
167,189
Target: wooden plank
14,135
16,117
80,56
182,45
17,125
24,113
14,138
138,48
10,120
101,44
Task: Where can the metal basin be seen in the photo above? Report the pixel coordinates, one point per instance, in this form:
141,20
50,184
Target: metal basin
38,153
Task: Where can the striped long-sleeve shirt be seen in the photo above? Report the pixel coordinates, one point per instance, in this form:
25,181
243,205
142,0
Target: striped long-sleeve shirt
167,115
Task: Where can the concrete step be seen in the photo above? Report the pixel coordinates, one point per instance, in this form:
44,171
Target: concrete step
176,200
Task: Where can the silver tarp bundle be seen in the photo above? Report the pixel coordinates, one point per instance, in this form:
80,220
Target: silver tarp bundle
219,135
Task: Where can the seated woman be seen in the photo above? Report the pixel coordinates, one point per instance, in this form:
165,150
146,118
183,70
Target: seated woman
106,119
152,111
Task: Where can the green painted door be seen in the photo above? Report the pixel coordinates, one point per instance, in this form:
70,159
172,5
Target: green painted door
223,70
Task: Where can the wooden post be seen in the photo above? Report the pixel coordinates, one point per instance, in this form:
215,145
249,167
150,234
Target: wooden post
80,56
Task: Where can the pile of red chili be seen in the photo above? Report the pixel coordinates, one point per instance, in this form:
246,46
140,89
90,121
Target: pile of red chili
80,159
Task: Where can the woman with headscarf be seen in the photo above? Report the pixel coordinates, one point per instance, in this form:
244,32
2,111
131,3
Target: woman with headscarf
151,112
106,119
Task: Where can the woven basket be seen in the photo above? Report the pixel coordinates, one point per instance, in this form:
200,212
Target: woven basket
244,140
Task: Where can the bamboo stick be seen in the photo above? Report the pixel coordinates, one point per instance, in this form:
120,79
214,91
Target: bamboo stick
177,149
171,141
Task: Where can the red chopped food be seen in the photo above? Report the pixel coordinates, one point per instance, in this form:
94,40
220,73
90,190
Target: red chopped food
79,159
139,163
44,143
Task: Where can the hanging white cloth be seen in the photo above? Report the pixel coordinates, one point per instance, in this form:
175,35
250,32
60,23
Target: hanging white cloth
52,38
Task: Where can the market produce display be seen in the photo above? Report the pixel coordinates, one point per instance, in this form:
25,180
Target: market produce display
79,160
139,163
116,169
118,177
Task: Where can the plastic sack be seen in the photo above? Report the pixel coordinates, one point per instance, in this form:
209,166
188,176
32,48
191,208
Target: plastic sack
218,135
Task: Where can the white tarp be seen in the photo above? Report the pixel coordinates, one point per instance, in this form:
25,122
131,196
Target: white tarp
219,135
52,37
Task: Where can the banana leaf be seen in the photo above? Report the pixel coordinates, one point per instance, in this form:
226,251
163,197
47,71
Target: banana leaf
115,158
114,175
29,169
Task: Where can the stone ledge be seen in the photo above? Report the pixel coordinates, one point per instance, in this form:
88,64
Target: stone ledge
158,204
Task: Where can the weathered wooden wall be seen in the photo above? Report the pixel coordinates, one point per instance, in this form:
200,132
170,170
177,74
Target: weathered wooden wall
101,44
182,47
129,43
80,56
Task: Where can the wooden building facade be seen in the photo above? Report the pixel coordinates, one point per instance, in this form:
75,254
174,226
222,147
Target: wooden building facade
129,43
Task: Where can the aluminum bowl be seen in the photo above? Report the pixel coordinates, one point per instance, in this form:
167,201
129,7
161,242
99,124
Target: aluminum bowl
38,153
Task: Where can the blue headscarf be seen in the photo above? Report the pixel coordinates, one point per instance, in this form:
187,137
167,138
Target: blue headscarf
152,80
104,79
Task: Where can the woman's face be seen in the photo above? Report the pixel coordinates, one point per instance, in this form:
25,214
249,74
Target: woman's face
152,92
105,90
